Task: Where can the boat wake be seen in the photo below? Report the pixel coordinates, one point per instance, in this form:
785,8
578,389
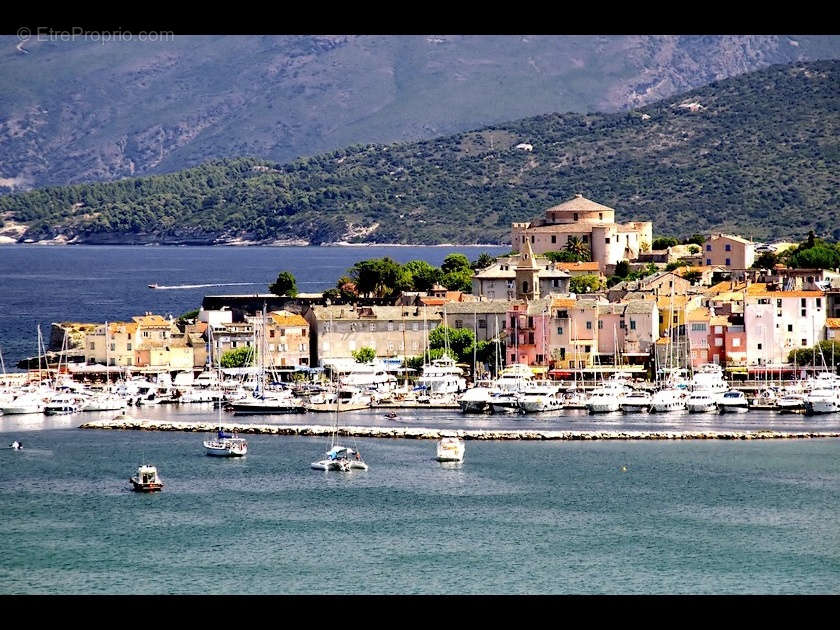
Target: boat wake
201,286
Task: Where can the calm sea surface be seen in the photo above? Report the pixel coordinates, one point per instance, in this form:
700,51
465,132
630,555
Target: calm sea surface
516,517
42,284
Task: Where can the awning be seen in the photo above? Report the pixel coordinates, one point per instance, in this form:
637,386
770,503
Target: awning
539,369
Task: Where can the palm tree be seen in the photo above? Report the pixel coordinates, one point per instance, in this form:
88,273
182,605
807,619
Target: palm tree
578,248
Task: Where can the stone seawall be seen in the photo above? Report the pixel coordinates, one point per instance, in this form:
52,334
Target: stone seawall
420,433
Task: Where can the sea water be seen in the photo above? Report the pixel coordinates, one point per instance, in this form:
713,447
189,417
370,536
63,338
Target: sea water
616,517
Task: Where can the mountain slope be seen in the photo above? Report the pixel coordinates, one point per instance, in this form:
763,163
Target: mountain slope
76,111
756,154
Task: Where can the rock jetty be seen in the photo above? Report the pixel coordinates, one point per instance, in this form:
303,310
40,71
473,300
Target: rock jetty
419,433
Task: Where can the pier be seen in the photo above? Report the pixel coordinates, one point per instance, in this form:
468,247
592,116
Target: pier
420,433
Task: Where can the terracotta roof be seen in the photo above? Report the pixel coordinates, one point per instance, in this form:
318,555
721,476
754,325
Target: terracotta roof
287,318
731,237
151,321
114,327
432,301
719,320
666,301
579,203
577,266
700,314
832,322
759,289
563,303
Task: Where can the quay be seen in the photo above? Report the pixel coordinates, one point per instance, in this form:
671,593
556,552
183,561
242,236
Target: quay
420,433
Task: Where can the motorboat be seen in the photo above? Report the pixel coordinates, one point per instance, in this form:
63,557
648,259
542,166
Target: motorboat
823,400
668,399
604,400
442,376
147,480
16,445
62,404
477,398
702,401
269,402
540,396
450,449
636,401
104,402
342,459
25,403
505,402
226,445
574,399
791,403
349,398
733,401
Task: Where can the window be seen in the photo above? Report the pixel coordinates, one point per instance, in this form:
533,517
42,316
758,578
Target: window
695,327
459,323
728,247
819,302
372,327
676,318
758,346
576,216
632,324
804,312
779,303
607,240
562,314
585,238
790,327
588,325
482,323
601,216
559,330
271,333
586,349
804,342
661,320
390,326
728,262
532,238
401,327
708,261
555,282
779,313
415,326
128,346
718,330
513,358
736,343
621,324
802,302
92,346
718,341
553,238
708,248
523,238
600,324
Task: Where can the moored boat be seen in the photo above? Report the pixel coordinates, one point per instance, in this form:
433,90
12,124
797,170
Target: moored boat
450,449
733,401
147,480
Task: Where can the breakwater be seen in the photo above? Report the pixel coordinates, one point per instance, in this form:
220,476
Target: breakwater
420,433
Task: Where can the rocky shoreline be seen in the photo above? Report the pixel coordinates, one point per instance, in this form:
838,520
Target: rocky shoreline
420,433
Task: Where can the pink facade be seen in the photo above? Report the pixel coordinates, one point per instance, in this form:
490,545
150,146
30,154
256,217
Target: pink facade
529,336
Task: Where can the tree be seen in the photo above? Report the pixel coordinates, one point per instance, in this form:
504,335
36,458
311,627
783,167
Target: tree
692,276
823,351
284,285
697,239
482,262
237,357
693,249
364,355
331,294
585,284
459,280
455,262
578,249
766,260
346,287
380,277
459,340
622,268
423,275
676,265
664,242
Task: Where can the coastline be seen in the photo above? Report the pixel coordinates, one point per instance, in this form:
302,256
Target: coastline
421,433
291,243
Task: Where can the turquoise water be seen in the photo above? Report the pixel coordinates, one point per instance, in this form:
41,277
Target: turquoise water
515,517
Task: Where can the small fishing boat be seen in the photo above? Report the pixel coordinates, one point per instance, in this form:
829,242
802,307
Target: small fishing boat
391,415
450,449
147,480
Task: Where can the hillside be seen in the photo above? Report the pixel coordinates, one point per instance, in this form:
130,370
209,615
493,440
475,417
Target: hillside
756,154
81,111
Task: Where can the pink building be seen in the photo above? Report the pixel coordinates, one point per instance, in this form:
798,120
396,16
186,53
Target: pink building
529,336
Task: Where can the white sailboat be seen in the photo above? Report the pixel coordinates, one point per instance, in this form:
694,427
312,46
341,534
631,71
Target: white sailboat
225,444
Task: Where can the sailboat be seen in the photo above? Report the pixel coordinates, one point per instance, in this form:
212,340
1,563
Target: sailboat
225,444
339,457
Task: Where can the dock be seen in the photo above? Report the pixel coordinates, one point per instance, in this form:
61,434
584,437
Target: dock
421,433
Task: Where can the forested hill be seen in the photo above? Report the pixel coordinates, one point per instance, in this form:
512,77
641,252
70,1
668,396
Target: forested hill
756,154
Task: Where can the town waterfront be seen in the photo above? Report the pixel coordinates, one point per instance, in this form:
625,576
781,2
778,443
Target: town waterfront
516,517
42,284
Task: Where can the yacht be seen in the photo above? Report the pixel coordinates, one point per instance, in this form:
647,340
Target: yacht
62,404
442,376
702,401
25,403
269,402
226,445
349,398
104,402
668,399
709,378
540,396
147,480
477,398
505,401
733,401
823,400
791,402
604,400
514,379
450,449
636,401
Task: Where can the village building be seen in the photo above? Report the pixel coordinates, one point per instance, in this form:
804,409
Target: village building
594,224
698,321
528,333
285,339
656,284
832,328
486,319
780,321
524,276
336,331
727,250
117,347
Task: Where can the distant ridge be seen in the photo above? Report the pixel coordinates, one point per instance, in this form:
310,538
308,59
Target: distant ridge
755,155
